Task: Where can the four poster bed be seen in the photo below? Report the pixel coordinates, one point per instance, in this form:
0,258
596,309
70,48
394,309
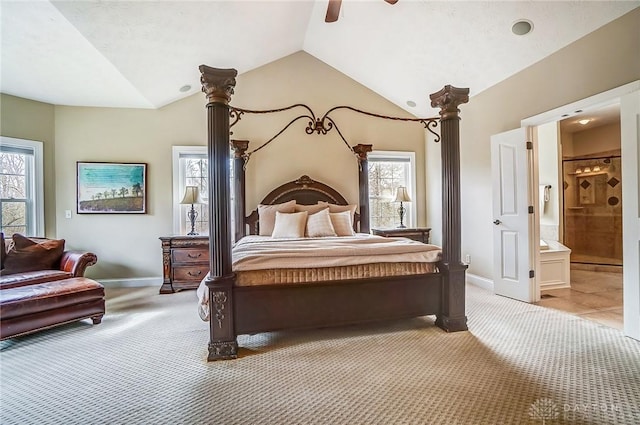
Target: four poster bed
251,289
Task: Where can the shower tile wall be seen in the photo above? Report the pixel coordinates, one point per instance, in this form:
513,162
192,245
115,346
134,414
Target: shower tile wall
593,210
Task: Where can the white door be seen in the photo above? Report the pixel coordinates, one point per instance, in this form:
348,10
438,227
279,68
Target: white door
630,135
513,224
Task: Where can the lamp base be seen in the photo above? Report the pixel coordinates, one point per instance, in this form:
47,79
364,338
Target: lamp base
401,212
192,214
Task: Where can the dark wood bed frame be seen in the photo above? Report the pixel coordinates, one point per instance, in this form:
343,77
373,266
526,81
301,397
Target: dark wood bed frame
237,310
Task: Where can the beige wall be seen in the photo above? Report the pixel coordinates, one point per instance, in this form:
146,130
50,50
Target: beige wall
586,67
127,245
27,119
300,78
604,138
548,174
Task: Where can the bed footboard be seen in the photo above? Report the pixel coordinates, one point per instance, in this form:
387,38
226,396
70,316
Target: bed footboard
324,304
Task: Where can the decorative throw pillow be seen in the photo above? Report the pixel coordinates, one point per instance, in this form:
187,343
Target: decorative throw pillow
342,223
289,225
319,224
267,215
29,255
311,209
335,208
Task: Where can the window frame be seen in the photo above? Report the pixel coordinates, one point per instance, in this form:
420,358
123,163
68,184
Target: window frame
35,182
178,175
178,186
379,156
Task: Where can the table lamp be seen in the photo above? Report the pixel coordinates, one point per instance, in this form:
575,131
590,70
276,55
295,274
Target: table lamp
192,196
402,196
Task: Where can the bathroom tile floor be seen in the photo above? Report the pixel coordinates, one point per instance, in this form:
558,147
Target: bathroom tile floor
594,295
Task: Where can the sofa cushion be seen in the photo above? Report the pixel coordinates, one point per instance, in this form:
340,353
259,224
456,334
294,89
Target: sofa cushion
26,300
29,255
30,278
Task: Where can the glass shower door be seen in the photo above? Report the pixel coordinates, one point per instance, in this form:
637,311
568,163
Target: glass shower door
593,210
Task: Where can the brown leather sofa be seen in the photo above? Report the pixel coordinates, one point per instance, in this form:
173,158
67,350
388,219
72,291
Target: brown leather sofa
53,294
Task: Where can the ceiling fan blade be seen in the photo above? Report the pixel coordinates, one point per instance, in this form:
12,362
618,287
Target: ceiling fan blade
333,10
391,1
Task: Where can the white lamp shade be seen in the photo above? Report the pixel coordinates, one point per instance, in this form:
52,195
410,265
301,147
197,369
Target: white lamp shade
191,196
402,195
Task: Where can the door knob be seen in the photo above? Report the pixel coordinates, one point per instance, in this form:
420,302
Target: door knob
497,222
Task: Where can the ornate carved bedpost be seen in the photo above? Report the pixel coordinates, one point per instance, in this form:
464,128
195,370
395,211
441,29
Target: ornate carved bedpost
452,316
218,86
239,148
363,184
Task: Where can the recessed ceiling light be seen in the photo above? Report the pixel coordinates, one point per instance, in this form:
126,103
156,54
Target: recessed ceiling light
522,27
185,88
584,121
411,103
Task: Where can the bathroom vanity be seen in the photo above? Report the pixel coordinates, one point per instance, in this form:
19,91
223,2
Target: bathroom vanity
554,265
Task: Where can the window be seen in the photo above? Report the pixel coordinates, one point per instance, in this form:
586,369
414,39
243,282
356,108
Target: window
190,168
190,165
21,187
387,171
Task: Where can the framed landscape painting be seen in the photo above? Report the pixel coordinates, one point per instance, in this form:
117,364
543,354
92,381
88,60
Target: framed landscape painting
111,188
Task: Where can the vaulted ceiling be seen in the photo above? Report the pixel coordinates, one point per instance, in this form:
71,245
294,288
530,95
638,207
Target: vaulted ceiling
139,54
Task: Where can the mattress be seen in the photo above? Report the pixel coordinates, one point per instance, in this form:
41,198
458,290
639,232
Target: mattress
321,274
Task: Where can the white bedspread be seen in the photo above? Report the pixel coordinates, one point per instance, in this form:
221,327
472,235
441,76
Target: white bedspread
264,252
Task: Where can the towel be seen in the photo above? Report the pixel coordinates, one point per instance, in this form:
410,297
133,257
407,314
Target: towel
544,196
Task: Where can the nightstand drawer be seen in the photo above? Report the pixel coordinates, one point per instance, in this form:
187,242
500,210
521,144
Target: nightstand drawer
185,262
190,273
190,256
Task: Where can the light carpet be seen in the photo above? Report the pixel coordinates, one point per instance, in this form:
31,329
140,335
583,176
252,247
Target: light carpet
146,364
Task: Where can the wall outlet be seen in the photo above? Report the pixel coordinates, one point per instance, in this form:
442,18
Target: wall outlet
67,213
467,259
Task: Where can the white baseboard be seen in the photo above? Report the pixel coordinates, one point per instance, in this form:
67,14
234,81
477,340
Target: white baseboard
480,282
137,282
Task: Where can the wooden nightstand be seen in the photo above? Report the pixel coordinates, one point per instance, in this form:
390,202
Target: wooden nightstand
420,234
185,261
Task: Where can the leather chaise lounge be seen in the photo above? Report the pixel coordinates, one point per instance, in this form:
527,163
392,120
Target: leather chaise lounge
42,286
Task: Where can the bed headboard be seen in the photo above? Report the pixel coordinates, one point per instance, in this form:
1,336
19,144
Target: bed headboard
304,191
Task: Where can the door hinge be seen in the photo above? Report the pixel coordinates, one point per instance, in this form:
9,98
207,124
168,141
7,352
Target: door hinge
529,145
530,209
532,274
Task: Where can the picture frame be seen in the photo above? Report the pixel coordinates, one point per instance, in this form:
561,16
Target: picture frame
111,188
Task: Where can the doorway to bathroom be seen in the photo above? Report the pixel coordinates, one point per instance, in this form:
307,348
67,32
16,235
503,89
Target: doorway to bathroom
586,217
603,191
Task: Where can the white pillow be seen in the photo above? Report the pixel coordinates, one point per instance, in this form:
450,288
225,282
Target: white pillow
342,223
267,215
319,224
289,225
